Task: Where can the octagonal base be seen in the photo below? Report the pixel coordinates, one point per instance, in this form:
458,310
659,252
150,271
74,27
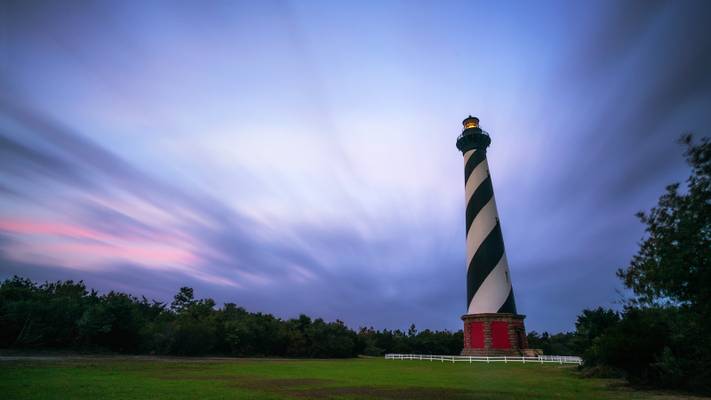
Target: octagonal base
496,334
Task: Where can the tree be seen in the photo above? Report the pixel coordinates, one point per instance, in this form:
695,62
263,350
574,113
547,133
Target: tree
182,300
563,343
195,324
664,335
635,343
673,264
17,300
592,324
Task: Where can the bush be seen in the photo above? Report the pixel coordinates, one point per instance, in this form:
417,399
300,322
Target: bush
655,346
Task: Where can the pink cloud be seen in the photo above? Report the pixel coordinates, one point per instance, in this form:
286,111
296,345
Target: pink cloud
29,227
64,243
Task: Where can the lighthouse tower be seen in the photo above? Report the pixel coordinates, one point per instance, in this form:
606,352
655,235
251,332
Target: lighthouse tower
491,324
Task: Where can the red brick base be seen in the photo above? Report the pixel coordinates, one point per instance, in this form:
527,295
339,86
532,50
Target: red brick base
494,335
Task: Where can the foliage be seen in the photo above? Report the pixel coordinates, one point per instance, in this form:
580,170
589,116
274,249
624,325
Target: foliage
673,264
632,343
66,315
663,337
563,343
377,343
590,325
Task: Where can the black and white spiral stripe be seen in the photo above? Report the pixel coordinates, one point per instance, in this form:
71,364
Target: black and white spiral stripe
488,282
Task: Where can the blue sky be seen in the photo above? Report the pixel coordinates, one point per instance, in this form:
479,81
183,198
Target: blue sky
298,157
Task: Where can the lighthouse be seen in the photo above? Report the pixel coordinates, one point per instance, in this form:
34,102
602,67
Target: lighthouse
492,325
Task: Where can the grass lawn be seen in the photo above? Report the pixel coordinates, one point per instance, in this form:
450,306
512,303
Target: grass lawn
165,378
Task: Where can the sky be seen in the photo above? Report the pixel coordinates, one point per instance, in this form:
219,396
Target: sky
299,157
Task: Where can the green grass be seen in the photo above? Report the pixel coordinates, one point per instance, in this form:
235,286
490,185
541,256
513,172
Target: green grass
137,378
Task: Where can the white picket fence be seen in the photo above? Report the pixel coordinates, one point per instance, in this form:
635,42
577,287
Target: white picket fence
505,359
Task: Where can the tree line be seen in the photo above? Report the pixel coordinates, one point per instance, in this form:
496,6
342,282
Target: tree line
66,315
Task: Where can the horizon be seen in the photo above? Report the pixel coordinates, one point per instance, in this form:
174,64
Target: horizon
299,158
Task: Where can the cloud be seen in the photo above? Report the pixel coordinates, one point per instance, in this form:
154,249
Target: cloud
123,221
283,159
